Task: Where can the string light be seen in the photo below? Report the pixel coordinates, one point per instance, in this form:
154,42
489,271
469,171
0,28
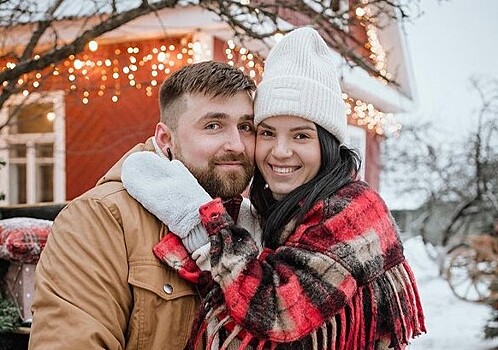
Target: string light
51,116
245,60
93,46
377,52
359,112
365,114
104,70
90,72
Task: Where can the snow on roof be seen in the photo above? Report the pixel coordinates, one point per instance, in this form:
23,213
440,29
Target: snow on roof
29,11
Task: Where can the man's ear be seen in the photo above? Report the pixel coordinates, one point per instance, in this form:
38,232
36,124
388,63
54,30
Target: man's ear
164,137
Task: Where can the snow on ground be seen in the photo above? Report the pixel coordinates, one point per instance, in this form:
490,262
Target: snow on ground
451,323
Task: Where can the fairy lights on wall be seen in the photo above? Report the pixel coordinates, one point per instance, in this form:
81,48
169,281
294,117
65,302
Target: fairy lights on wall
365,114
248,62
377,52
359,112
104,71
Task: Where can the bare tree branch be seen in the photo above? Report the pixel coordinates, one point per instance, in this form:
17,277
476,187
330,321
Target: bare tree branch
79,43
42,27
343,28
461,177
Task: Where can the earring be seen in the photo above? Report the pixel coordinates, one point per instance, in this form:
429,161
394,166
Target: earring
266,186
168,152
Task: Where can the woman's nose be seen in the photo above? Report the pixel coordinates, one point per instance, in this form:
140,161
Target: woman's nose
281,149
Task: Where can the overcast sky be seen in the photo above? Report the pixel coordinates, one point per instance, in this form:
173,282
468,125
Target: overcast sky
452,41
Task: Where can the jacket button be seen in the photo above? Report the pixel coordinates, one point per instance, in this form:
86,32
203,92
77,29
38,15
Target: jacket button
168,289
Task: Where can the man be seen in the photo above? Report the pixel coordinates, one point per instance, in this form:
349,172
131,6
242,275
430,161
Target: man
98,283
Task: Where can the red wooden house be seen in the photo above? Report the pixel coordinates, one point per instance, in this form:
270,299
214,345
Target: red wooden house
78,117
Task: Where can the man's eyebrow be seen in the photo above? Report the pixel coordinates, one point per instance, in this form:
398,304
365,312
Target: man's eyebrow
213,115
246,117
221,116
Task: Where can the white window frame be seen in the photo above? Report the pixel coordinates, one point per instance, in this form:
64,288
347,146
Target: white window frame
57,137
357,139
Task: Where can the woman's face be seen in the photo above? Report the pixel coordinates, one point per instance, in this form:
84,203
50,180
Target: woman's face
287,153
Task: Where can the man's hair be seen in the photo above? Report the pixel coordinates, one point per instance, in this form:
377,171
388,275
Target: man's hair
208,78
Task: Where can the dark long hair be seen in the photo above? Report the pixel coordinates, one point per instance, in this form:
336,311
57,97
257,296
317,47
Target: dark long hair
339,166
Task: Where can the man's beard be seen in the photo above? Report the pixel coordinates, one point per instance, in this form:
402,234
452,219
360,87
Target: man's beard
227,184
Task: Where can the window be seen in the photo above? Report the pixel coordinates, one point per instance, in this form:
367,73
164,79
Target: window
33,147
357,139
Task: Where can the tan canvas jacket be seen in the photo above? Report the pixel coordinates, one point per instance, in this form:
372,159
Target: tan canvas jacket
98,284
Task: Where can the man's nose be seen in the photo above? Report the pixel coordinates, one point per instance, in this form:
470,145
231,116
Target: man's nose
234,142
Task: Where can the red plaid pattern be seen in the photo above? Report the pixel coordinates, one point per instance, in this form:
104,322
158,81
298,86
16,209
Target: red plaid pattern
23,239
340,281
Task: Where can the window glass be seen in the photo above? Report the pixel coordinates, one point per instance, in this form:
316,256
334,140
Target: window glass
17,151
45,183
31,118
17,181
45,150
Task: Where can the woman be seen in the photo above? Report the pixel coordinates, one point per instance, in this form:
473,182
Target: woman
331,274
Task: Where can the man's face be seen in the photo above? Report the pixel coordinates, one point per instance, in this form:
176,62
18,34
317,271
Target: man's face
215,139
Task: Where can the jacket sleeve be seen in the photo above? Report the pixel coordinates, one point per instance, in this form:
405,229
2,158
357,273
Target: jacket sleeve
82,298
279,295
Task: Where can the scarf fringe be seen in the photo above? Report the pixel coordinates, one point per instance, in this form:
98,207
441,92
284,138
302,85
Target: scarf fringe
232,336
386,311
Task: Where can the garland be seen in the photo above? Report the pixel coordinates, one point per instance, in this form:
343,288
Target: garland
9,316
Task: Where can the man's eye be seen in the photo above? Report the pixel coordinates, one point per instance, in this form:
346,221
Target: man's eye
213,126
246,127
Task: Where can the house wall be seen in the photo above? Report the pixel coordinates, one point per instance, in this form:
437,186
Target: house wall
98,130
99,133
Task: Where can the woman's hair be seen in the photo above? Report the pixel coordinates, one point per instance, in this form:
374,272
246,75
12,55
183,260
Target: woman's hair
339,166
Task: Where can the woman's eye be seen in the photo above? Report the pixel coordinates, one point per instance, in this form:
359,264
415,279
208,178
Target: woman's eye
266,133
301,136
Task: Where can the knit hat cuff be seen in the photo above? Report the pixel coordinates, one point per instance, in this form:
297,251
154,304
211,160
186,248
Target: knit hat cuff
301,97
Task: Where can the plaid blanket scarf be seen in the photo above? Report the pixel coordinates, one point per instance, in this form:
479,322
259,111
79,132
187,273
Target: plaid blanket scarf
339,281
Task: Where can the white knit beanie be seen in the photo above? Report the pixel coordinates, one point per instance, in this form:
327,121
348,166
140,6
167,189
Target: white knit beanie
300,80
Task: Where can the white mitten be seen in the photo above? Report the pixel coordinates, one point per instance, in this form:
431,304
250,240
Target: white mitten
169,191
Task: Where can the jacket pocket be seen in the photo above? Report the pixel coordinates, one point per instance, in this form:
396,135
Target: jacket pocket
164,307
159,279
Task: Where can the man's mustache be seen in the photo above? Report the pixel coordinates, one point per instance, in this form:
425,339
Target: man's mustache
232,158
